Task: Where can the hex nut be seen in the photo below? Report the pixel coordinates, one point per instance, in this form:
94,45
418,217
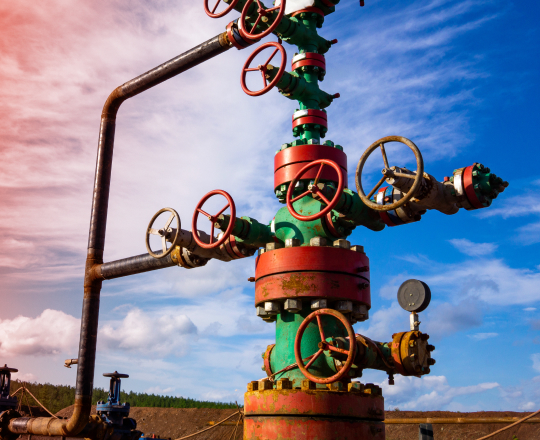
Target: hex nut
261,312
342,243
308,385
271,307
319,304
355,387
319,241
344,306
284,384
336,386
293,305
358,248
292,242
273,246
265,384
360,312
261,251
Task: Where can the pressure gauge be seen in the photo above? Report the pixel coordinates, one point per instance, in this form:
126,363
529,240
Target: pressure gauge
414,296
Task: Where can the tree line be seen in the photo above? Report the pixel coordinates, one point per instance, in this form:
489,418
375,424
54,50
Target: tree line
57,397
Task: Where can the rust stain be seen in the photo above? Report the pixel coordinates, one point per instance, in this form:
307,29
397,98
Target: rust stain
299,284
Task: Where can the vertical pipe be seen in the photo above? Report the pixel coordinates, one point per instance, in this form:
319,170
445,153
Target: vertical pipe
96,236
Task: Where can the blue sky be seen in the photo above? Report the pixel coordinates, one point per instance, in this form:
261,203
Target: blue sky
459,78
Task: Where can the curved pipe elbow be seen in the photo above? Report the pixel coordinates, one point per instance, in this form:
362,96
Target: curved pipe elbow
50,426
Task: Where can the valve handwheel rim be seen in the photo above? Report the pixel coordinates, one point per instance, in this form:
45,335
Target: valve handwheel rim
212,13
163,232
387,172
330,204
323,345
263,68
198,210
261,12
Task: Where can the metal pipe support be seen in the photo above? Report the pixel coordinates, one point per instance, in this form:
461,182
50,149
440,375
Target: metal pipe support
96,240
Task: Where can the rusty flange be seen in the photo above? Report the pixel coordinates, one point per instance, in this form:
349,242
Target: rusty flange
313,403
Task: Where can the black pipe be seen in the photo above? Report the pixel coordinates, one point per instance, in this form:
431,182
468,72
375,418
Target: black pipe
98,223
134,265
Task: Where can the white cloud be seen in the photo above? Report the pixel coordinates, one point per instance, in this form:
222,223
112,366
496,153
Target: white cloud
427,393
50,333
162,333
536,361
527,406
488,280
473,249
529,309
482,336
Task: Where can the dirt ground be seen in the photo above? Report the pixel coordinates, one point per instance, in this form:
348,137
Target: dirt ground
174,423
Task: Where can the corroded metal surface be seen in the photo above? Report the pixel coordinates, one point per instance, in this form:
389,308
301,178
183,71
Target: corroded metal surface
314,403
311,428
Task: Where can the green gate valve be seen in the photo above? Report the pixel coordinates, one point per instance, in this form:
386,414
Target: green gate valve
293,86
246,230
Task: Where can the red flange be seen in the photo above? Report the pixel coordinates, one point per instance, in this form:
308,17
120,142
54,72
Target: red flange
310,120
261,12
309,112
212,13
213,218
263,68
288,162
309,9
324,345
308,62
468,186
314,190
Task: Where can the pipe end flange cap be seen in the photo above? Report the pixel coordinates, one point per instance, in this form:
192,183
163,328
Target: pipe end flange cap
414,296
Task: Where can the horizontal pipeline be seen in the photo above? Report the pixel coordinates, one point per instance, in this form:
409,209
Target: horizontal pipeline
435,421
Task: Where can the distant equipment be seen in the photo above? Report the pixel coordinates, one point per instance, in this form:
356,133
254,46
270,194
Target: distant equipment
6,401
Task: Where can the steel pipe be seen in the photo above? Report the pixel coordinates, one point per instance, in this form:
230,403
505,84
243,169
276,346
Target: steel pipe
96,237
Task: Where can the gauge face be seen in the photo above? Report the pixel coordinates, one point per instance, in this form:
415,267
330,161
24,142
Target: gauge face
414,296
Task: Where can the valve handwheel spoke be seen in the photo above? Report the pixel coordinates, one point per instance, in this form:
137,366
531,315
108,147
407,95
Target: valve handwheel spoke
324,345
263,68
213,218
314,190
212,12
261,12
165,233
388,172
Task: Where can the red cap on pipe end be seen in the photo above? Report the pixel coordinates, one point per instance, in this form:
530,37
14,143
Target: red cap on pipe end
361,2
337,95
334,41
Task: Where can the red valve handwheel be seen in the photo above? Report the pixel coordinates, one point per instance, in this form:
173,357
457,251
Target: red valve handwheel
261,12
211,13
324,345
315,190
263,68
213,218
